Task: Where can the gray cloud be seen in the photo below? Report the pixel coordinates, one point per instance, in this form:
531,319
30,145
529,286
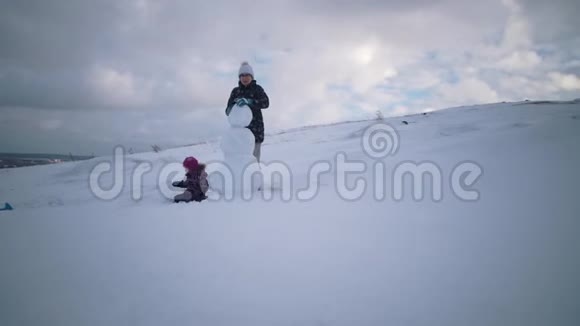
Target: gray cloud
128,63
553,21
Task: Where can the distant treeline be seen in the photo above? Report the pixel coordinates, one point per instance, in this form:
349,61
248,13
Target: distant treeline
62,157
14,160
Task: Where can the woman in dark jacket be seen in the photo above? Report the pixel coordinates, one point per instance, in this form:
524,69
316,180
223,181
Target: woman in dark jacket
251,94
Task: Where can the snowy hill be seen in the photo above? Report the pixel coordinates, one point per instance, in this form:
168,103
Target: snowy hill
508,256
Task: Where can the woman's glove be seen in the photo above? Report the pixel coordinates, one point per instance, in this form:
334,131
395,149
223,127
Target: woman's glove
244,101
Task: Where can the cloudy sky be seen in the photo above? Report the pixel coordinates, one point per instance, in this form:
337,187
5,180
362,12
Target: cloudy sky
83,76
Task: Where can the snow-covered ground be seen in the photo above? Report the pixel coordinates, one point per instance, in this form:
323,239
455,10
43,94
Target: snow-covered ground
512,257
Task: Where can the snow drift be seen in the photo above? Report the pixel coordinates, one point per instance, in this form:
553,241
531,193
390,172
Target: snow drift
508,258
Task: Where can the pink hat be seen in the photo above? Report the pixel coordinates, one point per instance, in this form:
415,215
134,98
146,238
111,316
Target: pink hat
190,163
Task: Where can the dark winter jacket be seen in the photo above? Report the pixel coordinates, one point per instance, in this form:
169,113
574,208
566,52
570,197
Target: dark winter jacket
196,183
260,101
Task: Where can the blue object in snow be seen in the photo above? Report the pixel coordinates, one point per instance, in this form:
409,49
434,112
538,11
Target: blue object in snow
7,207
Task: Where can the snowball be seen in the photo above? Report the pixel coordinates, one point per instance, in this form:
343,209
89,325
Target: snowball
240,116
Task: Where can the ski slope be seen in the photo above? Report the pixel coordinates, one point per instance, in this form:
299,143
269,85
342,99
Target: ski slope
509,258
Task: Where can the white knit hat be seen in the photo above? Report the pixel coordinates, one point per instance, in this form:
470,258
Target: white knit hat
245,68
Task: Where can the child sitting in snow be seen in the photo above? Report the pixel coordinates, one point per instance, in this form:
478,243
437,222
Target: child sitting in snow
195,183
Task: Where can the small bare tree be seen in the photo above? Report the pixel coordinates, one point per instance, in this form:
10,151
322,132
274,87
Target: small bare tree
156,148
379,115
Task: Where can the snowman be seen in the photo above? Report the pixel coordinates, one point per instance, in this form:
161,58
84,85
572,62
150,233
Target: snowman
237,146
